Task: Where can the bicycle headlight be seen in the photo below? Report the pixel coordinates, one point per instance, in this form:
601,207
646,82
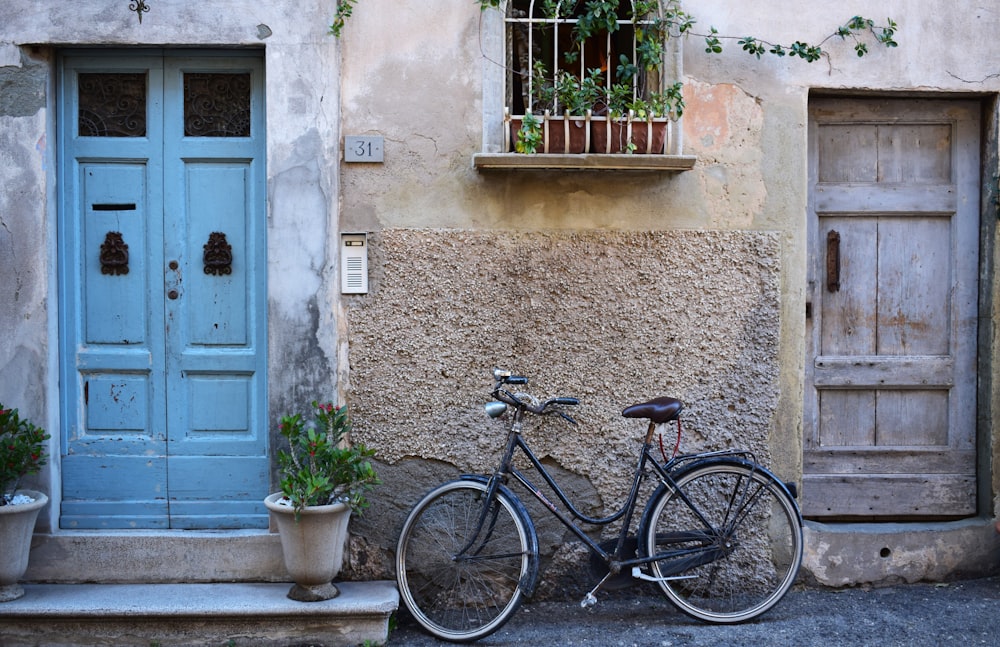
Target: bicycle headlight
495,409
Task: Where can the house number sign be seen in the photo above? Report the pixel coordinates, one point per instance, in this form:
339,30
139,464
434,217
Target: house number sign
363,148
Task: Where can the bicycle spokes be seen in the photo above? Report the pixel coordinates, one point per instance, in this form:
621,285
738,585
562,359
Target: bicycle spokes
729,540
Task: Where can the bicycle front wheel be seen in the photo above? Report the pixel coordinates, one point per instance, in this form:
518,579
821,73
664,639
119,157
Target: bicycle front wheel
462,580
732,540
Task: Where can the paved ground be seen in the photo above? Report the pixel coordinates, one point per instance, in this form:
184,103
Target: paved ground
963,614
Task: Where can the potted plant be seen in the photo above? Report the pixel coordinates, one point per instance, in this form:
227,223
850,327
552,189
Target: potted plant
323,479
635,124
22,452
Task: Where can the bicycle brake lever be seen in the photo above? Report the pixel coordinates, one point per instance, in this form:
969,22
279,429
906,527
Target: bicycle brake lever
571,421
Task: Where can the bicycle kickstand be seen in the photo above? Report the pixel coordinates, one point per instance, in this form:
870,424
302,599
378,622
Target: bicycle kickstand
590,599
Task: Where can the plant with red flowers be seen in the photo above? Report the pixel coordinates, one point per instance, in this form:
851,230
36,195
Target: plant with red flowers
22,451
321,467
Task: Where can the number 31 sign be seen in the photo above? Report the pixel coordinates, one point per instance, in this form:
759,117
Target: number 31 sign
363,148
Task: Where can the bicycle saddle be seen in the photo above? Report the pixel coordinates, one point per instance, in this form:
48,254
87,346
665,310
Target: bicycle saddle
658,410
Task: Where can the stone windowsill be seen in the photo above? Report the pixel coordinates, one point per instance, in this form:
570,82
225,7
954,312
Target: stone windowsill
623,162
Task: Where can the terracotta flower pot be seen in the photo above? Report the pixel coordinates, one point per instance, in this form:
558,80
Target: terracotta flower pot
560,134
312,545
17,524
614,135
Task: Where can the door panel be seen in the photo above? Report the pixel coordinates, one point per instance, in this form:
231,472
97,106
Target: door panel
215,374
166,421
894,221
218,199
114,202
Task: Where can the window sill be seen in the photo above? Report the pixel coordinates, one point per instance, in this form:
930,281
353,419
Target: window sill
542,161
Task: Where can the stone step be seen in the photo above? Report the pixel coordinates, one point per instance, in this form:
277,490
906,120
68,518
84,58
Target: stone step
231,614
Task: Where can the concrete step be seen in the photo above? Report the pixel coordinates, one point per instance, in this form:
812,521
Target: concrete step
236,615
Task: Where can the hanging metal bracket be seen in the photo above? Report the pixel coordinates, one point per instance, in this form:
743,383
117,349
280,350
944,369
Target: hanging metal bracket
140,7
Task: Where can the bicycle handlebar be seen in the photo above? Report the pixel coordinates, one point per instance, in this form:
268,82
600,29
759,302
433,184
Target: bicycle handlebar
519,400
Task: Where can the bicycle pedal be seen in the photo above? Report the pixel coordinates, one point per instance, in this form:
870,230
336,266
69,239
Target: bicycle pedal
588,601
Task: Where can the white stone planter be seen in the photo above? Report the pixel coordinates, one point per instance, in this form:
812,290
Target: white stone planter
313,546
17,524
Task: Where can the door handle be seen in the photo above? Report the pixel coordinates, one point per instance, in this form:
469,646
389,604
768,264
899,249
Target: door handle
833,261
218,256
114,254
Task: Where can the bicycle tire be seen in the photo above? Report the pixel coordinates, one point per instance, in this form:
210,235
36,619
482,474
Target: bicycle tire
456,599
744,560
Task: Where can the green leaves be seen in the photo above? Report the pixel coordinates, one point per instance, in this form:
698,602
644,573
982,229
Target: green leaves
320,466
712,43
529,136
854,29
340,16
598,16
22,451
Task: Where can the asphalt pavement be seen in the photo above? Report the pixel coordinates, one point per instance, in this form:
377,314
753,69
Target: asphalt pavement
964,614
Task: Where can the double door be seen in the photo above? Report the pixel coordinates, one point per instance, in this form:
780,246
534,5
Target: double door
162,290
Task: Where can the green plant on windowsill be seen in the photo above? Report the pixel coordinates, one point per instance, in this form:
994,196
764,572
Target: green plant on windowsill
320,467
22,451
530,137
625,106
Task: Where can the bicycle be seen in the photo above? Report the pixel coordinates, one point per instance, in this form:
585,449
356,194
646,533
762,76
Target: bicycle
721,535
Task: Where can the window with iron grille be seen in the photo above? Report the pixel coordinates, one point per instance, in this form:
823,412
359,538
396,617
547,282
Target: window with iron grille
598,76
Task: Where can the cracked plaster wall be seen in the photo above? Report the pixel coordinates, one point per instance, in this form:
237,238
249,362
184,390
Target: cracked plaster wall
24,238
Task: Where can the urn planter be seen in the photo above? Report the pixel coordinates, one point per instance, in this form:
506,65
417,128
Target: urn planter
17,524
312,544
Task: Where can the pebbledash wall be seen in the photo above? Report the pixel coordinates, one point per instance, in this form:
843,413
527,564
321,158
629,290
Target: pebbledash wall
610,286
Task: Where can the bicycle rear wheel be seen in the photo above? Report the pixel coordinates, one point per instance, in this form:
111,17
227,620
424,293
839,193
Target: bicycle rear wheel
736,538
463,595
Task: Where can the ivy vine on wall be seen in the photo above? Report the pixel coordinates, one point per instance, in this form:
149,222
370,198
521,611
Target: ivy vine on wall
683,23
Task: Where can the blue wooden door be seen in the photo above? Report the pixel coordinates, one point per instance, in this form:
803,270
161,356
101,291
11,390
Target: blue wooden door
162,286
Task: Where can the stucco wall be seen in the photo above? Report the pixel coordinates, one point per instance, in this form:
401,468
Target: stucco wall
613,318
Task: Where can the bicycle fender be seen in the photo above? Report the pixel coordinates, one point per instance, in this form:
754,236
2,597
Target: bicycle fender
528,586
791,491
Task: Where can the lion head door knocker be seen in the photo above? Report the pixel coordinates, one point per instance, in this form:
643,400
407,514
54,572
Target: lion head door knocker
218,255
114,254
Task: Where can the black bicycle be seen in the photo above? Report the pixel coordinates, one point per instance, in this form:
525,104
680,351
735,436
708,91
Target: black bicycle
720,535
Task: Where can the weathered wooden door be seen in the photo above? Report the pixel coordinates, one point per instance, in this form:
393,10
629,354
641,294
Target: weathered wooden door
890,411
162,260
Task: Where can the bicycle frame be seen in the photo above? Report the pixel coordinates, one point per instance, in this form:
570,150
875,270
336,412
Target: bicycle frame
614,559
